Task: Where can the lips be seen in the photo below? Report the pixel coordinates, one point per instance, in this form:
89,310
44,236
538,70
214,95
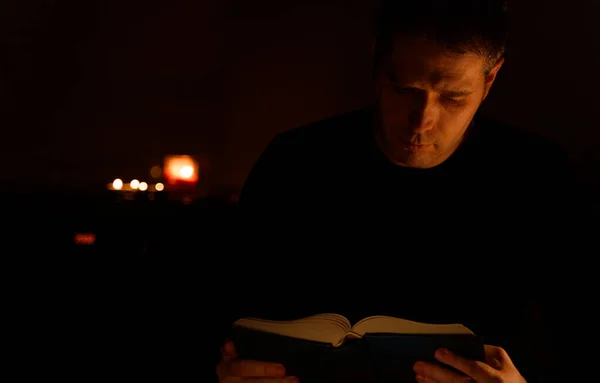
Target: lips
410,146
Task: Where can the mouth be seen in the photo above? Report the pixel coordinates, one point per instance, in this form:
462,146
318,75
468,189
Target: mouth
415,147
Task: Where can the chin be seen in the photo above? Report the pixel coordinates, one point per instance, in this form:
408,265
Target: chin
398,153
417,161
421,164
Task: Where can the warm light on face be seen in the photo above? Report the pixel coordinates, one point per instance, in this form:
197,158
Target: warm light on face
426,100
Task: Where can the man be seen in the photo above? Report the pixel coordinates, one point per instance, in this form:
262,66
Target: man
418,171
422,149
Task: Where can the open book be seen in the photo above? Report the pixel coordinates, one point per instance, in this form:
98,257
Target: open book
326,348
335,329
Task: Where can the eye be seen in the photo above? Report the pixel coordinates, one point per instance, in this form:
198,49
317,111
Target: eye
453,100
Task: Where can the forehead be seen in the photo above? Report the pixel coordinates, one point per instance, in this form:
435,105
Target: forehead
416,60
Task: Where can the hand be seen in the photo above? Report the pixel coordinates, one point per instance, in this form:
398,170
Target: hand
497,369
233,370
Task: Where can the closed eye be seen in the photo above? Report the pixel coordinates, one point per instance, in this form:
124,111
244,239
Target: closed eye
452,100
455,97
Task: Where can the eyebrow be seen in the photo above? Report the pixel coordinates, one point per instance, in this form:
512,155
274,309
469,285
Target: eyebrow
450,93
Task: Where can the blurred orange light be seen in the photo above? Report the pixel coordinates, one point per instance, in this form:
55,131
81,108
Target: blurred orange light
181,168
186,172
85,238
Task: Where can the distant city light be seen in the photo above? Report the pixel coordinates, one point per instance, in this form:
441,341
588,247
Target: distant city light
135,186
117,184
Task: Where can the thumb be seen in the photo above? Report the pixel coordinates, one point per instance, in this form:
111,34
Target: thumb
228,351
497,357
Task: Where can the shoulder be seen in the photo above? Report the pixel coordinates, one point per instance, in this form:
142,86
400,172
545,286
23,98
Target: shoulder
327,134
518,146
299,155
528,166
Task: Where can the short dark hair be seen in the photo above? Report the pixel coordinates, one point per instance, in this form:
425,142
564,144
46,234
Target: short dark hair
464,26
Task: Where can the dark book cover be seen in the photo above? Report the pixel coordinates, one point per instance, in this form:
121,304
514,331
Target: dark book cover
392,356
376,358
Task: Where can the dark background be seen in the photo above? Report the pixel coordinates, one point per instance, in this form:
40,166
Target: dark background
94,90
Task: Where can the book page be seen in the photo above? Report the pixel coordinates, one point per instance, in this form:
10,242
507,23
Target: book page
325,328
383,324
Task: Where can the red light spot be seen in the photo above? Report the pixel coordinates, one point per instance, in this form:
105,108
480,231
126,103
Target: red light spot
85,238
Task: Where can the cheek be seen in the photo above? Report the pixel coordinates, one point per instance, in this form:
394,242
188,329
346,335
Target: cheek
454,121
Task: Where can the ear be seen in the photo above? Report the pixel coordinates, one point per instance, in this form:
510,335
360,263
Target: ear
491,77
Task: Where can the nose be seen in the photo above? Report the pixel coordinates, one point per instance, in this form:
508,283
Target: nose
424,112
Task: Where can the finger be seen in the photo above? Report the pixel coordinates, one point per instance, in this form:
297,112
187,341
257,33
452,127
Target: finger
477,370
431,373
497,357
228,351
253,368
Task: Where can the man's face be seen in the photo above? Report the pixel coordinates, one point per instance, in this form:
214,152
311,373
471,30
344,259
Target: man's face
427,96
